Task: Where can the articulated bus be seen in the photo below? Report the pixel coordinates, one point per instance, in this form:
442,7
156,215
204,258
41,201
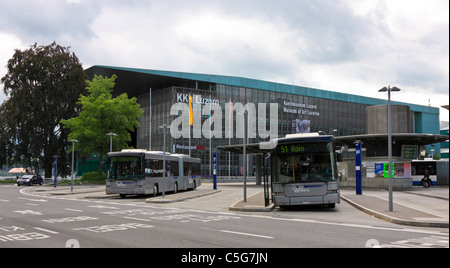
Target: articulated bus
304,171
140,172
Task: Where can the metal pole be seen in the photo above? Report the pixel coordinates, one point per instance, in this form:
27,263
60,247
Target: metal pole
164,165
110,141
150,121
389,90
73,155
73,159
245,157
391,205
164,161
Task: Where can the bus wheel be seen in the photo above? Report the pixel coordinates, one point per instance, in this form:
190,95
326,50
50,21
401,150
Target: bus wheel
155,190
332,205
175,188
123,195
194,185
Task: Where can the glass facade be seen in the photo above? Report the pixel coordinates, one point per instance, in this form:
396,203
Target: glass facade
296,114
300,109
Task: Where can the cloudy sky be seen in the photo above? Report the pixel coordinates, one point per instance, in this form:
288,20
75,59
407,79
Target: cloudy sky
350,46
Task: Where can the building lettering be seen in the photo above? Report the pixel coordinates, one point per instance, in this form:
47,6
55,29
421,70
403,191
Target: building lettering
300,108
196,99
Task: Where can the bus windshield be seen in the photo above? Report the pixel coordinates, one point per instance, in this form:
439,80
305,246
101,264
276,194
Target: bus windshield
125,168
305,162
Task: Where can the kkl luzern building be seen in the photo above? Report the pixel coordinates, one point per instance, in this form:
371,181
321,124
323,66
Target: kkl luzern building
274,110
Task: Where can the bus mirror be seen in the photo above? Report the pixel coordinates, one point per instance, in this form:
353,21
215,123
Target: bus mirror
339,157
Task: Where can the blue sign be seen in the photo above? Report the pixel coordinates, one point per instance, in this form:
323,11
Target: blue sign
358,160
56,170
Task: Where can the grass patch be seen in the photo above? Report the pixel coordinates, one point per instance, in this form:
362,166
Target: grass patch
88,178
8,182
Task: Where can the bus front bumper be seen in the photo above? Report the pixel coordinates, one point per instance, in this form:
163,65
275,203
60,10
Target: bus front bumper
282,200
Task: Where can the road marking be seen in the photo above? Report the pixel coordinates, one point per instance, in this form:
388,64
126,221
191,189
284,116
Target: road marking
31,199
138,219
246,234
113,228
45,230
31,212
3,200
103,207
24,191
424,242
71,209
351,225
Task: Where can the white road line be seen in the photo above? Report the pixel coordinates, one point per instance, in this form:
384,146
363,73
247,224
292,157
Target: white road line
137,219
71,209
24,191
45,230
3,200
246,234
34,200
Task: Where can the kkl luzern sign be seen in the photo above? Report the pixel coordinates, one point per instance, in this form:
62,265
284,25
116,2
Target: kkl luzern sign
196,99
212,127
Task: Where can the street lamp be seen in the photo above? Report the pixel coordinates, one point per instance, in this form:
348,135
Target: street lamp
110,143
389,90
165,127
73,153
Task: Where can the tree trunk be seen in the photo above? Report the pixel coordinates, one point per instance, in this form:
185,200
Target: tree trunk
48,166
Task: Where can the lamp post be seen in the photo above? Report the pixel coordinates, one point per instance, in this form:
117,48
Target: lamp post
73,155
110,143
165,127
389,90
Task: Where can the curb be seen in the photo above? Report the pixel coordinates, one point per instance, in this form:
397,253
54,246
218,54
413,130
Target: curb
167,201
396,220
253,208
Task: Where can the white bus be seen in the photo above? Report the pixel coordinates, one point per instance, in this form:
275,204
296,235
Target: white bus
304,171
140,172
424,172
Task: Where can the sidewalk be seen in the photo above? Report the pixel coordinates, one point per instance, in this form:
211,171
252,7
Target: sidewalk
424,208
255,203
65,189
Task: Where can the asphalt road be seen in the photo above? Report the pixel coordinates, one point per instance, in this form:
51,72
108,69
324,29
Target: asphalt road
28,220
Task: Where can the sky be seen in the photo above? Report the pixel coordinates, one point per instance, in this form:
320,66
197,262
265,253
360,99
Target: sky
349,46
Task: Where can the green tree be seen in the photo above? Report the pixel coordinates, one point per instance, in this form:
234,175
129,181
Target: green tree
101,114
43,84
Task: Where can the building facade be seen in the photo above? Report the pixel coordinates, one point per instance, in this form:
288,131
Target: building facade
298,110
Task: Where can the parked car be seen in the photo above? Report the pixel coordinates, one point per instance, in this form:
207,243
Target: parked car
30,180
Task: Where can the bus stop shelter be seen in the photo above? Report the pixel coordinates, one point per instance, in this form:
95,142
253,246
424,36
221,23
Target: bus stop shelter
261,164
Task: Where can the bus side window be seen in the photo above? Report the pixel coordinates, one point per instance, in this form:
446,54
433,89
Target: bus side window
187,169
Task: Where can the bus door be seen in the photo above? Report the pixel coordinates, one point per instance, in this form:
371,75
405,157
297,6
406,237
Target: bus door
182,185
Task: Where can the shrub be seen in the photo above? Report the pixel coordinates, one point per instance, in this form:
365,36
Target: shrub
93,178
